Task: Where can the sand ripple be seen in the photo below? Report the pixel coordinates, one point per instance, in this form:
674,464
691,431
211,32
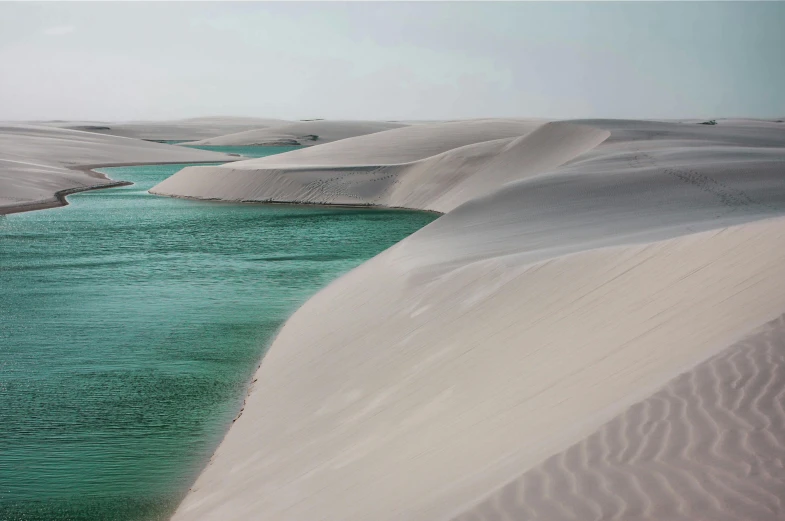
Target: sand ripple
708,446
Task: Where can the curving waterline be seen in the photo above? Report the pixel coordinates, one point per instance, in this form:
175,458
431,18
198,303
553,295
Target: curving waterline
60,197
305,274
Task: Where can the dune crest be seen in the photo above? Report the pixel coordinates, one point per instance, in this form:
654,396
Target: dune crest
439,182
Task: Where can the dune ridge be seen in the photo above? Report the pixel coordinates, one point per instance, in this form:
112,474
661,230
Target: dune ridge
400,145
579,267
436,182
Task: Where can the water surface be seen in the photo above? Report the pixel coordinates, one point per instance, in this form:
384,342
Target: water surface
245,151
130,325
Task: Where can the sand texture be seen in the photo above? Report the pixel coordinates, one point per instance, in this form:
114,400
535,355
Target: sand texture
306,133
708,446
37,162
575,338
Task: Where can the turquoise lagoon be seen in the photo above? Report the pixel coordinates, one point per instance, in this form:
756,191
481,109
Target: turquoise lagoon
130,326
245,151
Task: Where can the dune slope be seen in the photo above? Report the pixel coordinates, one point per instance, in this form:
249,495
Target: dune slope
414,395
706,446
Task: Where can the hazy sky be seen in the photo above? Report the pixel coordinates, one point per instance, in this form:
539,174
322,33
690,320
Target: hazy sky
121,61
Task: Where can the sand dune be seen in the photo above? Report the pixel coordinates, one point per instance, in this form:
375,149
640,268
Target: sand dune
744,132
399,145
300,133
183,129
36,162
579,268
410,167
709,445
392,395
429,162
438,183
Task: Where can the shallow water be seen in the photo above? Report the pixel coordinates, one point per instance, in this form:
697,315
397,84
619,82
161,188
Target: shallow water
130,325
246,151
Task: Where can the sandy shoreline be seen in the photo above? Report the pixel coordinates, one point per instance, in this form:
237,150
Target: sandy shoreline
307,204
60,199
37,161
60,196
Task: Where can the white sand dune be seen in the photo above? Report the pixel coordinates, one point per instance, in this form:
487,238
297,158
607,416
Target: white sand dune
401,145
300,133
390,395
709,445
392,168
37,162
182,129
579,268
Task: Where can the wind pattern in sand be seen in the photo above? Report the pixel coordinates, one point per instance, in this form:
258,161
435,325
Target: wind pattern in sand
708,446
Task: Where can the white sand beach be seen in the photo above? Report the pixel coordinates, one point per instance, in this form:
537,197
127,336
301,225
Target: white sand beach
577,337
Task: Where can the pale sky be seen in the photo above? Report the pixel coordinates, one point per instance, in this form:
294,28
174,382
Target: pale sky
130,61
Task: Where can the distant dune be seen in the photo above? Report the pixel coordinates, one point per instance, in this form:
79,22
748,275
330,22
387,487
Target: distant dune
576,338
183,129
36,162
409,167
405,144
305,133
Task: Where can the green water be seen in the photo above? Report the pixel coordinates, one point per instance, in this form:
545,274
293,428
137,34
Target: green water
246,151
130,325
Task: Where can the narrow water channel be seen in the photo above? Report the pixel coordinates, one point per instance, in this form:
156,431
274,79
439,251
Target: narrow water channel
130,325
